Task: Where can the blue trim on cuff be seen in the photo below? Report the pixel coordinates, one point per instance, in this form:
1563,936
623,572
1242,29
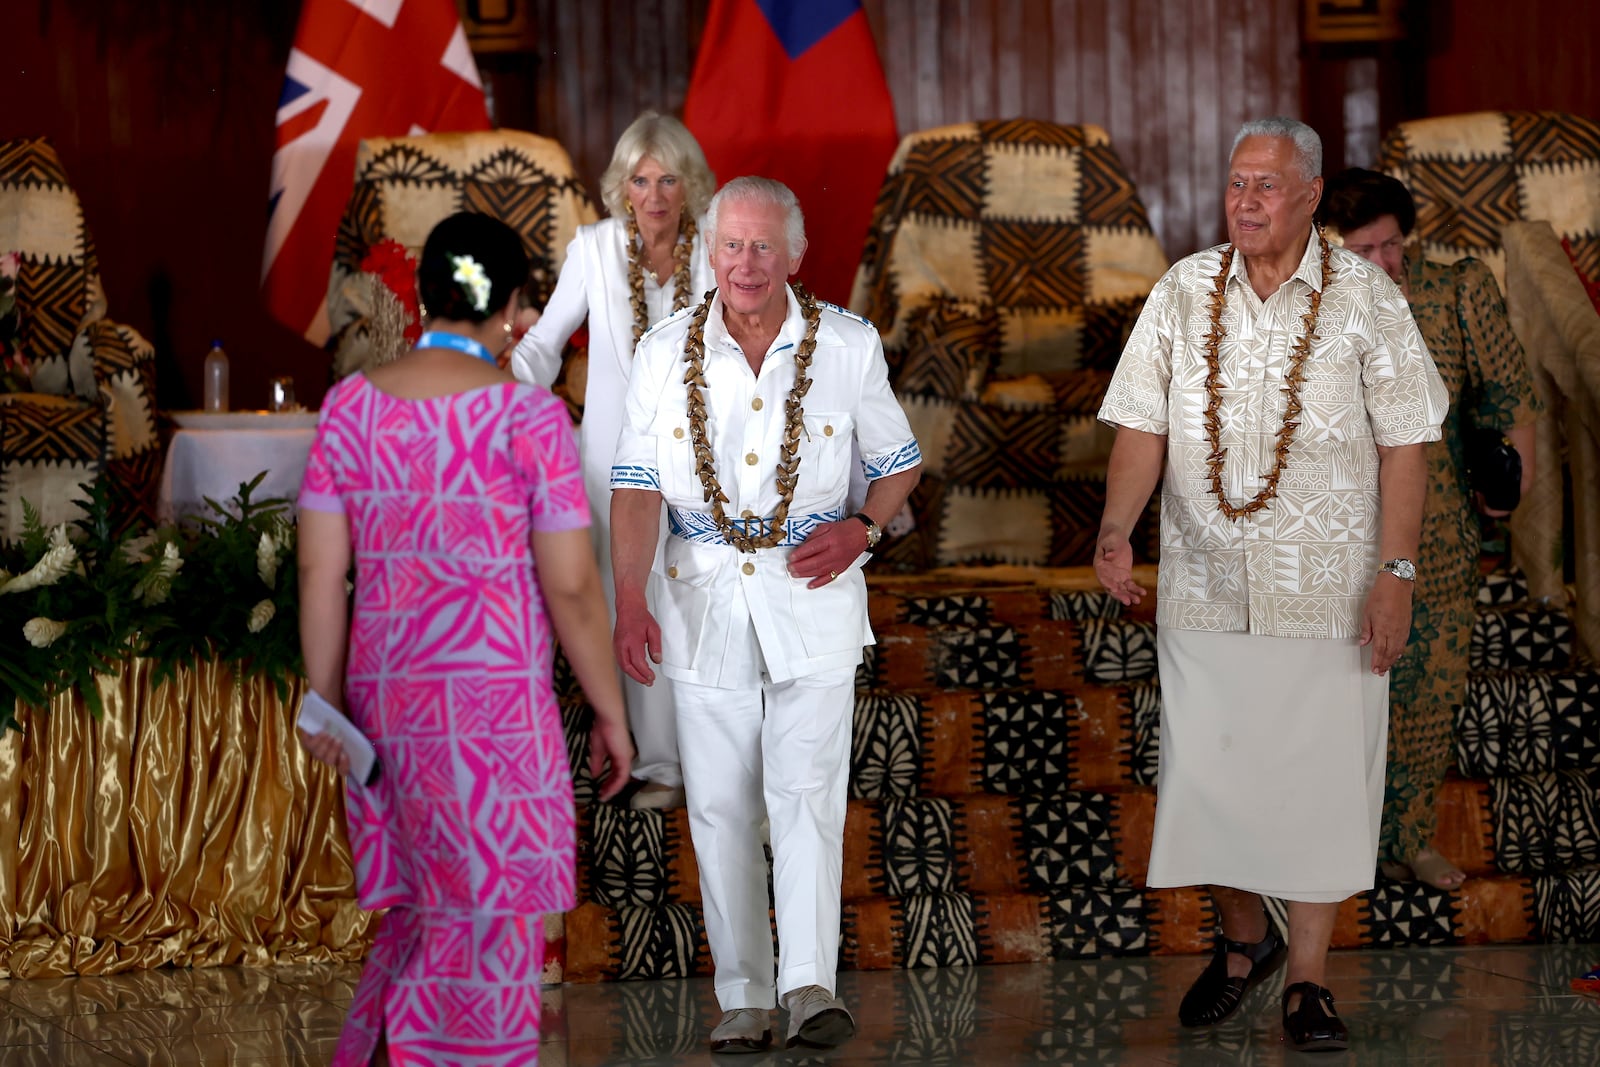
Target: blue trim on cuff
635,478
902,459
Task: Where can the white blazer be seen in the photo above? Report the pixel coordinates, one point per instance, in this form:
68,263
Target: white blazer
594,285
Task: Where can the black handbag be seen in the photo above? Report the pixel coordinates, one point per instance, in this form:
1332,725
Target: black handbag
1494,469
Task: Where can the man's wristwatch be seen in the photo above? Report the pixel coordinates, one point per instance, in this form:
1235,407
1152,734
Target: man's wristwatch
874,531
1403,569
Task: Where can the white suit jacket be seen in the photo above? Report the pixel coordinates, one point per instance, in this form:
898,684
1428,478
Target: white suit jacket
698,575
594,284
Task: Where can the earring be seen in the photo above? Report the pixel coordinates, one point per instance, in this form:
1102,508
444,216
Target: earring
628,206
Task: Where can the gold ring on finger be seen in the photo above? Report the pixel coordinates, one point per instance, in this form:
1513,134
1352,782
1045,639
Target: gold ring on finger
832,575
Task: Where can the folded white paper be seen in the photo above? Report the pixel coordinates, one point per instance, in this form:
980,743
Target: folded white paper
317,716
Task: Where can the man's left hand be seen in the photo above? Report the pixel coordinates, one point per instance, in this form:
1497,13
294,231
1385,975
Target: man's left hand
828,552
1386,623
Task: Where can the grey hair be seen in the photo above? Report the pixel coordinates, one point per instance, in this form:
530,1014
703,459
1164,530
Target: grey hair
1307,143
767,191
668,142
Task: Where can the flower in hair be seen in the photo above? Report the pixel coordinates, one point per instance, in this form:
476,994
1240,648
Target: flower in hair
472,276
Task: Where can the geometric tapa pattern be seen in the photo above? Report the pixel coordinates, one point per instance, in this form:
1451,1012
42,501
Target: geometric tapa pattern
1408,913
405,185
1526,637
1005,264
1546,823
1471,174
103,371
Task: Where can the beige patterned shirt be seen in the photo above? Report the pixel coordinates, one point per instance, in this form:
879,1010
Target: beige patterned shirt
1301,567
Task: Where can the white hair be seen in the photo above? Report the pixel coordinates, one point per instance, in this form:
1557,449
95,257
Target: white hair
1307,144
767,191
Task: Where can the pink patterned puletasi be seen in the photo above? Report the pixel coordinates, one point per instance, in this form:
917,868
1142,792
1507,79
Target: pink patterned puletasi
467,837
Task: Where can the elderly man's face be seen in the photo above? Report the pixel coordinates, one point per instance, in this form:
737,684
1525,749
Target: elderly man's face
1269,203
751,257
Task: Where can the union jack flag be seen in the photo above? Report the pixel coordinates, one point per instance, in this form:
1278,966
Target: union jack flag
359,68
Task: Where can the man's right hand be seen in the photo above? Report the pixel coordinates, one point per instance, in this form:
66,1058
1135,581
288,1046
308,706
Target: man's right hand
636,640
1113,565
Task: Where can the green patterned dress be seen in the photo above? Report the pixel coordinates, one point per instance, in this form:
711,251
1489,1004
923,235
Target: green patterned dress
1462,317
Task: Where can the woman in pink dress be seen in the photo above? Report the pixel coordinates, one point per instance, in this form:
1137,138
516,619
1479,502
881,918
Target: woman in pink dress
457,493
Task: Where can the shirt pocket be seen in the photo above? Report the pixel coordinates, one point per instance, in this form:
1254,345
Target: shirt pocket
1331,389
826,441
674,453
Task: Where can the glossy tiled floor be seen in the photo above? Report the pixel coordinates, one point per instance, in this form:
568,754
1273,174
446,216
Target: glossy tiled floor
1419,1007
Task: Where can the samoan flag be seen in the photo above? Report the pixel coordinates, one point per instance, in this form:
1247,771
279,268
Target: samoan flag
794,90
359,68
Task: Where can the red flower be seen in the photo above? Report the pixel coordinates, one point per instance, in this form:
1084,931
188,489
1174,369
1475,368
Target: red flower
394,266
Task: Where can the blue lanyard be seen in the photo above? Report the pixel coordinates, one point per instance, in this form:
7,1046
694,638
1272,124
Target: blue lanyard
440,339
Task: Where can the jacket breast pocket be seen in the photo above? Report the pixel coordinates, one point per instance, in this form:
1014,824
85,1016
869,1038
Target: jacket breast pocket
674,452
826,445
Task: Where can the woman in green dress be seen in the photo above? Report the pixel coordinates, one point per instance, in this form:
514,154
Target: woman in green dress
1462,317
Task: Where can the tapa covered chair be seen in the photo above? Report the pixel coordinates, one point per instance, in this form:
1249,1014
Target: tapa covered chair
89,408
1005,265
405,185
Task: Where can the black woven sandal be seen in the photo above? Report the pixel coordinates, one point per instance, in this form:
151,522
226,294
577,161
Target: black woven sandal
1216,995
1313,1026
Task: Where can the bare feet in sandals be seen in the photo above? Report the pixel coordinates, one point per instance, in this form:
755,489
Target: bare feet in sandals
1429,867
1434,869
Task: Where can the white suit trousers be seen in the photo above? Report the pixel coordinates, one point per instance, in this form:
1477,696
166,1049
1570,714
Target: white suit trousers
780,753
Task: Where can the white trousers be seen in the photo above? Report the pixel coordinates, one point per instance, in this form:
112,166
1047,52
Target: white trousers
779,753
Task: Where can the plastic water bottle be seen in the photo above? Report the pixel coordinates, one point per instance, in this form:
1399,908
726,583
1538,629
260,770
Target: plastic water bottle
216,378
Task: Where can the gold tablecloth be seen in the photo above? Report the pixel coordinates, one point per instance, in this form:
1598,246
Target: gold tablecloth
186,826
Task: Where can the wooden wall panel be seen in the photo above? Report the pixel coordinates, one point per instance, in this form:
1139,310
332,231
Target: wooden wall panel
1483,55
1170,80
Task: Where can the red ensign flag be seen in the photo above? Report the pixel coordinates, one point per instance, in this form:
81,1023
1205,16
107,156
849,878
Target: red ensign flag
793,90
359,68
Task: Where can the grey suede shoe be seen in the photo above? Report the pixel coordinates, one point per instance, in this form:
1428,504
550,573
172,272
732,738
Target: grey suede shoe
742,1030
817,1018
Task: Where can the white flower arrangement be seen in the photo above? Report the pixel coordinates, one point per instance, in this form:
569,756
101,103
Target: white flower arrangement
260,615
42,632
156,585
267,560
54,565
470,273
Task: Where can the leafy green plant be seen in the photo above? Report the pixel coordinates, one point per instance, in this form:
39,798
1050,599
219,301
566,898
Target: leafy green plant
81,599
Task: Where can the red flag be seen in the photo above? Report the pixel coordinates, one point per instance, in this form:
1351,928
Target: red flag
793,90
359,68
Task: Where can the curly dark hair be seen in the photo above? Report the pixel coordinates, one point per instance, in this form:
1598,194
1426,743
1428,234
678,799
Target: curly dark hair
492,244
1357,197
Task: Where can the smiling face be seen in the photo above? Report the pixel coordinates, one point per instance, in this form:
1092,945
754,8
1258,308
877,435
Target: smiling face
656,194
1269,204
1380,241
750,255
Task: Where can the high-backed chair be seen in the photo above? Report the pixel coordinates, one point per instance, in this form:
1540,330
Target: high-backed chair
405,185
1471,174
1512,188
1005,265
91,411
